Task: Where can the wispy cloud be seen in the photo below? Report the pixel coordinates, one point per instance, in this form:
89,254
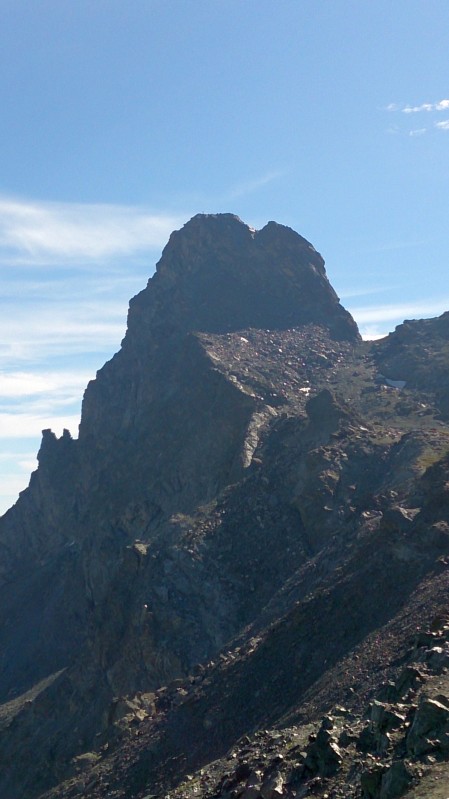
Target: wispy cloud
66,330
441,105
33,401
64,313
349,293
15,385
7,455
423,108
376,321
24,425
68,271
74,286
250,186
29,403
43,232
400,311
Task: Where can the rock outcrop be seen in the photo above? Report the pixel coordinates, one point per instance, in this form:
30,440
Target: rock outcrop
245,535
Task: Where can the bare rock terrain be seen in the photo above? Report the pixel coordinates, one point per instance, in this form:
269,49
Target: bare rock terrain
234,582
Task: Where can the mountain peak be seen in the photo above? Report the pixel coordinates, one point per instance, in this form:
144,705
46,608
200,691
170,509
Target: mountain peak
219,274
252,523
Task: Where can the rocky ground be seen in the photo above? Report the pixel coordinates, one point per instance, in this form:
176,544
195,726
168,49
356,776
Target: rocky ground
399,746
395,744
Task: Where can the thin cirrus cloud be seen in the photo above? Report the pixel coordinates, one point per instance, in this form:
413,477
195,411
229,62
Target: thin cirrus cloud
32,384
250,186
68,271
25,425
387,313
94,284
33,401
64,287
350,293
59,330
44,232
30,402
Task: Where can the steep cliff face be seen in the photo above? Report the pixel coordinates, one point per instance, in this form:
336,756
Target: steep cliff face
247,486
219,275
215,276
164,429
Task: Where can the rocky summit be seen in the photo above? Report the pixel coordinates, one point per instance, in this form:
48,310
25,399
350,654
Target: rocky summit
234,584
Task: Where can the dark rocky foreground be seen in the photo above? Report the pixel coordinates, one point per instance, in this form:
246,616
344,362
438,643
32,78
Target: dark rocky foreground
235,582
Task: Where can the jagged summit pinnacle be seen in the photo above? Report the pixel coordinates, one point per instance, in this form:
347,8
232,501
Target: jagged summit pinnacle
218,274
213,229
223,219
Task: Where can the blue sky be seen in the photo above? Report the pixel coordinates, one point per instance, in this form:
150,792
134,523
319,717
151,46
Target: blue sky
121,120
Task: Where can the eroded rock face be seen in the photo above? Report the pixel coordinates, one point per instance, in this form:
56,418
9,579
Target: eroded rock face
219,275
215,276
245,504
163,430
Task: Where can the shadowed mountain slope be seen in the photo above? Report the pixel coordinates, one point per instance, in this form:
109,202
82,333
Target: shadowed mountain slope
255,514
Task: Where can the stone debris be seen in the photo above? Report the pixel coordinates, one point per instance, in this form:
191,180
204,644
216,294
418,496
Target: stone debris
430,727
377,755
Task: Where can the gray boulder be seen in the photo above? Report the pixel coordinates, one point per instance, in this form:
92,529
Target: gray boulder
430,727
